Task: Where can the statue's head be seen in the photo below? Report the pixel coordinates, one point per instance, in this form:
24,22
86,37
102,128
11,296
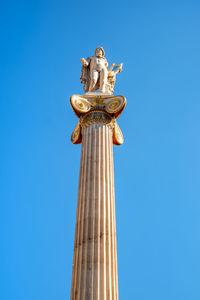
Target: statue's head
99,51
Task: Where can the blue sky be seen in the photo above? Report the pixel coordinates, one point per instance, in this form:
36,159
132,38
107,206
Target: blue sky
157,169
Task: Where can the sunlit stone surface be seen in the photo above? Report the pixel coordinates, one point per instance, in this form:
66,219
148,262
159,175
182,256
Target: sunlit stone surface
94,275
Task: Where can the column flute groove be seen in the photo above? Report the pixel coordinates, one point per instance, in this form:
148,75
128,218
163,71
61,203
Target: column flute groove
81,222
85,274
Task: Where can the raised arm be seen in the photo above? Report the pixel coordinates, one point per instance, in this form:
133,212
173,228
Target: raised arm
84,62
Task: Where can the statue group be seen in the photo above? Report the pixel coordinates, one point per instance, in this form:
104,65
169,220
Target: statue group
95,74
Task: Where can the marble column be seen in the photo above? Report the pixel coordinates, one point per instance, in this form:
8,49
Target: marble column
94,275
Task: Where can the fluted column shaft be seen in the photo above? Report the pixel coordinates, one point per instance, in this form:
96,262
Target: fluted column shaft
95,255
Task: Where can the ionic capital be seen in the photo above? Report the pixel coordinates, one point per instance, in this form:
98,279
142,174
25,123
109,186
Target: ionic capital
97,109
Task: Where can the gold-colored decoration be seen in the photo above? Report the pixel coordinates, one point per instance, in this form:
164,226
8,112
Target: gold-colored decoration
76,134
80,105
97,108
115,105
117,135
96,116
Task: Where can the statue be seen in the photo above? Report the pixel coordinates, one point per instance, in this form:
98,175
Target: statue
95,74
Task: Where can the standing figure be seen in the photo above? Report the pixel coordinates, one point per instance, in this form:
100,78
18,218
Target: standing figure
95,74
98,70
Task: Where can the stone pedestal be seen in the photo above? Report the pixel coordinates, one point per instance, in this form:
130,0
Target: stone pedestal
94,274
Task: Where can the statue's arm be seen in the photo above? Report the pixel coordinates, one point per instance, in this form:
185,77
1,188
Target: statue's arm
85,62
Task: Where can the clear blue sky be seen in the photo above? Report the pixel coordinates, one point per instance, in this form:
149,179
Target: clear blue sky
157,170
